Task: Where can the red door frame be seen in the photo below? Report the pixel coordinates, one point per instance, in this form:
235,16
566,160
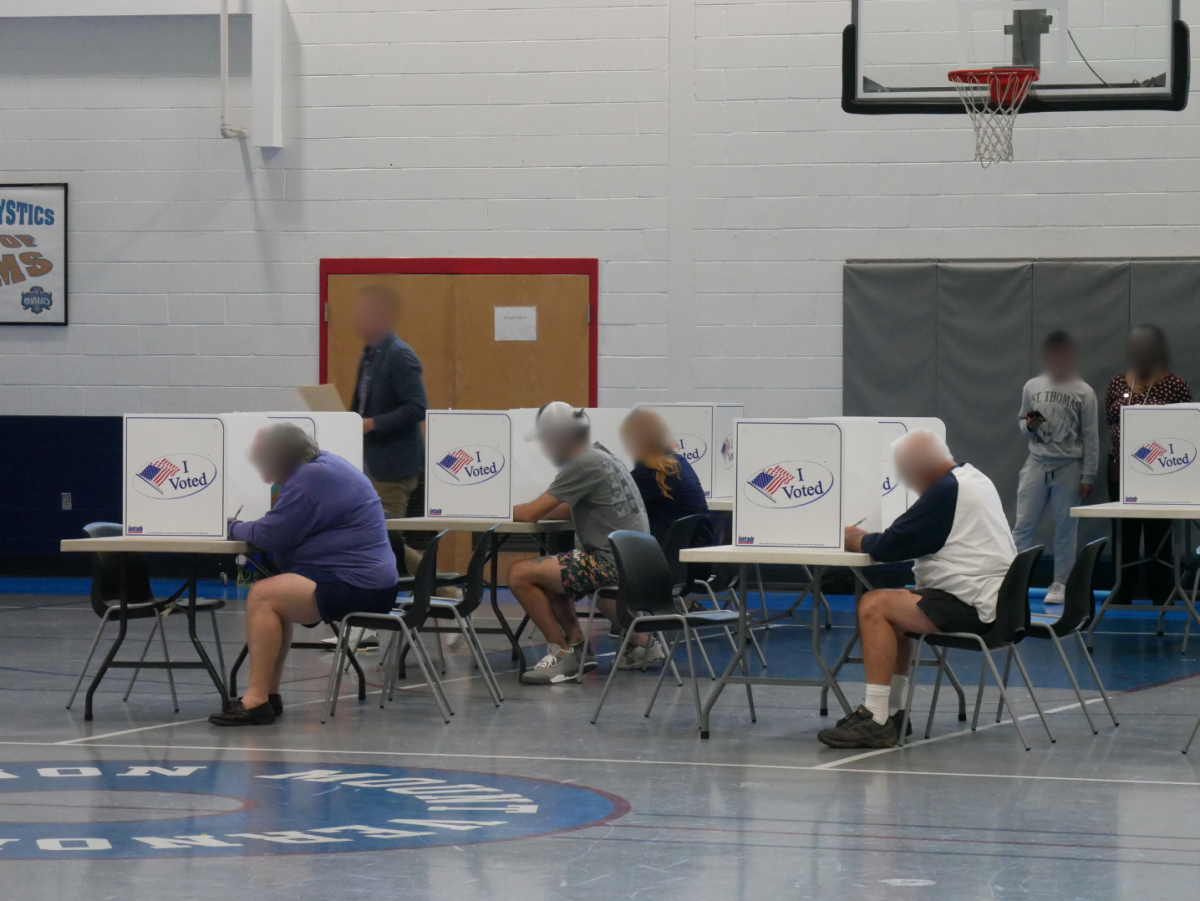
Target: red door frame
470,266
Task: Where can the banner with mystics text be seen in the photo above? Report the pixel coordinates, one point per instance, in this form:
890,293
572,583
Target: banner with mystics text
33,254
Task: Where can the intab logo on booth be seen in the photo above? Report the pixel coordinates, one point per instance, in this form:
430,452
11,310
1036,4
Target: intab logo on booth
469,465
175,476
792,484
691,447
1167,456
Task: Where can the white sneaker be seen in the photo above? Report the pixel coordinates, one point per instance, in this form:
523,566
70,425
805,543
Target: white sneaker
1056,595
640,656
361,640
559,665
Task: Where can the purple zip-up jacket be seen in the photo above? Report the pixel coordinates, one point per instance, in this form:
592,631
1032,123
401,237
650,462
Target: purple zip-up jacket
327,523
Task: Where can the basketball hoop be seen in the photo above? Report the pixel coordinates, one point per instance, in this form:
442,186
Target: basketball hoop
993,97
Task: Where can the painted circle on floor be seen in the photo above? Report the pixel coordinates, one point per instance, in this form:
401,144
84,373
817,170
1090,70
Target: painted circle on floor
121,809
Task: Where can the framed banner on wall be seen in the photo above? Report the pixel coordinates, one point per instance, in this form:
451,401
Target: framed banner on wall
33,254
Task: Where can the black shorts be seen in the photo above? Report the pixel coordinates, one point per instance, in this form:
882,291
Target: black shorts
948,613
337,599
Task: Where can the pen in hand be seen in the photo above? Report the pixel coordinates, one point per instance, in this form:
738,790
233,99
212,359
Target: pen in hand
859,523
239,511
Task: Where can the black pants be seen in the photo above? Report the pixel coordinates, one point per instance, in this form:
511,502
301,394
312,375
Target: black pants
1140,538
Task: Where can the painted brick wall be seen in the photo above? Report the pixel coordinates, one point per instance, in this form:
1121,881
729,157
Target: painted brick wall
698,149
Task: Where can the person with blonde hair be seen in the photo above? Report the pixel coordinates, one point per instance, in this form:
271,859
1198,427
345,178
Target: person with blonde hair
669,486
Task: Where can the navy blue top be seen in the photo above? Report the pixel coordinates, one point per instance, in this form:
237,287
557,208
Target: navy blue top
391,391
687,498
326,523
922,530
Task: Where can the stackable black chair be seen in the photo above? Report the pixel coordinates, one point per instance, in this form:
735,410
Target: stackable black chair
405,625
1078,607
1008,629
646,603
109,571
459,612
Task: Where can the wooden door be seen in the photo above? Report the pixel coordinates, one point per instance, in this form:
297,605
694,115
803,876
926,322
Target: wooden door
449,321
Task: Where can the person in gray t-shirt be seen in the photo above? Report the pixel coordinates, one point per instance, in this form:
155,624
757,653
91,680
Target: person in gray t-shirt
598,494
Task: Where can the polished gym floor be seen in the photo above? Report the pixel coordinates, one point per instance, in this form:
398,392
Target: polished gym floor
144,803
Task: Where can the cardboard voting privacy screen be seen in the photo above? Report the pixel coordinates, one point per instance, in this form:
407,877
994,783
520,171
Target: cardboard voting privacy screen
723,448
336,432
606,430
532,471
789,484
895,498
173,475
691,426
468,468
1158,453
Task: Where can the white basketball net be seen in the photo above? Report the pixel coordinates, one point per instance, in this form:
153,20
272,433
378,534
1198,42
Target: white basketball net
993,98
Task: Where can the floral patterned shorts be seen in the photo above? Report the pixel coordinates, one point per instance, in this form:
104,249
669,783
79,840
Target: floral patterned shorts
583,573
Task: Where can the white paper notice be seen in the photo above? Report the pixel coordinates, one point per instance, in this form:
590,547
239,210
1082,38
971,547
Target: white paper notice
516,323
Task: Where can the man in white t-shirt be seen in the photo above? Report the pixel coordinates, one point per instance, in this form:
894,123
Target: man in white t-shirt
958,537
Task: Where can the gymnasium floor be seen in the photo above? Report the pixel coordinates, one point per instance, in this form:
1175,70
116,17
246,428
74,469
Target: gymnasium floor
629,808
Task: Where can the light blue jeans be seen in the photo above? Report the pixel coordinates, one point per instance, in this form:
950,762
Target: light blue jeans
1040,487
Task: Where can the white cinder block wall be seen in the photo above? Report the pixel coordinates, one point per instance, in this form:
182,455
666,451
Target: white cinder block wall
698,149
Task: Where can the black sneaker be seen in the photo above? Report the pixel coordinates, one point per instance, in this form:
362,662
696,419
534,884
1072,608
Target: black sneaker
896,718
237,714
589,662
859,730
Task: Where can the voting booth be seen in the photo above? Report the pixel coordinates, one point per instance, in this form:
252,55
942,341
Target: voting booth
467,464
336,432
691,427
724,442
532,471
801,482
1158,450
606,430
895,498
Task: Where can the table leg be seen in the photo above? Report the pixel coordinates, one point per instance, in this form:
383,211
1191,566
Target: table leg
739,653
218,679
1118,574
122,630
818,597
1180,531
517,654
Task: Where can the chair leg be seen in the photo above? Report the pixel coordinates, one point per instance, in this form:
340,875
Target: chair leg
670,659
762,658
587,637
937,688
1007,668
334,684
481,661
1033,694
828,613
217,638
944,657
162,637
979,698
1096,675
91,653
441,653
612,673
704,656
1074,684
687,640
1192,737
427,670
662,675
386,665
145,649
915,669
237,665
1004,693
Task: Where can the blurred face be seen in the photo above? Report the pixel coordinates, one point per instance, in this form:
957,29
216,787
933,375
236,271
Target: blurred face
645,435
1145,357
372,317
917,466
561,447
1060,362
264,460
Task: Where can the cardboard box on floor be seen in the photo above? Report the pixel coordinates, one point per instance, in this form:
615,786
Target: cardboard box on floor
800,482
1158,450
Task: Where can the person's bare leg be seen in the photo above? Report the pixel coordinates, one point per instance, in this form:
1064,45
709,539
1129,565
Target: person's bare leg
272,602
285,645
904,651
526,581
883,616
563,606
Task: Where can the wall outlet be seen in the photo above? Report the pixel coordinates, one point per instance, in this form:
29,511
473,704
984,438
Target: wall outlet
66,500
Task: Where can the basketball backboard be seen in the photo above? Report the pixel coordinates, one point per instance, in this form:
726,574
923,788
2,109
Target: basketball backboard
1091,54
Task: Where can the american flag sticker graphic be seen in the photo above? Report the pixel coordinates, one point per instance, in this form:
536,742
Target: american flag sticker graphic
454,462
768,481
158,472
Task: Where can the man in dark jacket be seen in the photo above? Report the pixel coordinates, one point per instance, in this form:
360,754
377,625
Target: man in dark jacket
390,397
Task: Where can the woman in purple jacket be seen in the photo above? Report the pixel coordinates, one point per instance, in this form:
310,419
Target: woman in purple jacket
326,531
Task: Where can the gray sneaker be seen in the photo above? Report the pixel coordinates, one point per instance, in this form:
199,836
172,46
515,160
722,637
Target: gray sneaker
859,730
639,656
589,662
559,665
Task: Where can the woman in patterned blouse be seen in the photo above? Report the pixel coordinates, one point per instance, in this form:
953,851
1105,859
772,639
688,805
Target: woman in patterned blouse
1148,382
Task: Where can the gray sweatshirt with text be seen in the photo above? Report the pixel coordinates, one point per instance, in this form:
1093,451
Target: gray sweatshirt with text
1071,429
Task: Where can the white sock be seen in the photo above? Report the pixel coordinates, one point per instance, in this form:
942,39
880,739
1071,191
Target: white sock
898,695
877,702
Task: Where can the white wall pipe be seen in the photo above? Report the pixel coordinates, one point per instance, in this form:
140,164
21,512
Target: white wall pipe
227,130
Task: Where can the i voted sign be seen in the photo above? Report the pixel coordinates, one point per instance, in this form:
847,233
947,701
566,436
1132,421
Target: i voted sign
469,465
794,483
692,448
1167,456
175,476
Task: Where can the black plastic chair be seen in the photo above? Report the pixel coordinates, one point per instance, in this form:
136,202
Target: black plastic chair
445,609
646,604
1012,614
405,627
109,572
1078,606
